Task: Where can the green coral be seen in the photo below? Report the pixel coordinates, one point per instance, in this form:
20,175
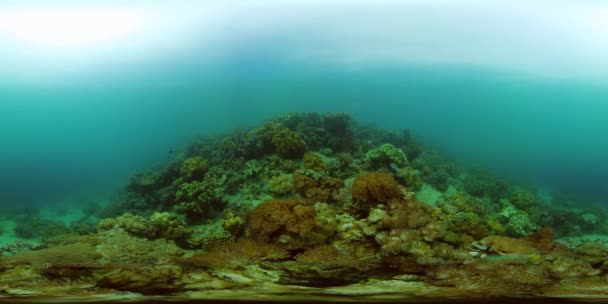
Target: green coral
409,177
521,197
233,223
313,161
160,225
520,224
134,224
281,185
196,198
194,168
168,226
385,156
289,144
518,221
252,168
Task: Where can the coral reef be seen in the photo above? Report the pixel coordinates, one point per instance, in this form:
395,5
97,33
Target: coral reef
291,223
313,200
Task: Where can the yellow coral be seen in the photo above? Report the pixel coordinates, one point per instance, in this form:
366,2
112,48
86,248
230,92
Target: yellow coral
233,223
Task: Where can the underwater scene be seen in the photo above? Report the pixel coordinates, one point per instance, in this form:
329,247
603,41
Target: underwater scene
306,151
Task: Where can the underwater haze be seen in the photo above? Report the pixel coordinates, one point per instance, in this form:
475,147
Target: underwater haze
517,87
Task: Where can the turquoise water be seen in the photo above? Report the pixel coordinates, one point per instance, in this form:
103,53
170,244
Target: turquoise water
68,142
312,151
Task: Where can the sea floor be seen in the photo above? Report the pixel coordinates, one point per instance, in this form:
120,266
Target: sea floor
392,291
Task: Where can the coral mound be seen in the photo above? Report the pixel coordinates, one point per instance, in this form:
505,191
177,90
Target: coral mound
313,204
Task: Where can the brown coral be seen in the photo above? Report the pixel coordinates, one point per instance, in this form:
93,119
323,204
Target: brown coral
322,189
271,218
504,244
288,222
236,254
543,239
374,188
408,214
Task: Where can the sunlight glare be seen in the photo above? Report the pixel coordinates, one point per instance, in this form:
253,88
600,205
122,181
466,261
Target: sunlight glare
70,27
